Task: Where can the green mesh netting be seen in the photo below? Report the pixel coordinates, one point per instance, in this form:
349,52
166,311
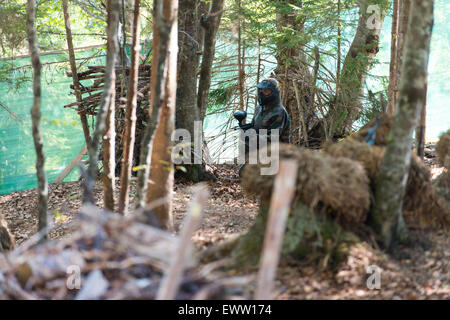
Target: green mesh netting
63,135
61,127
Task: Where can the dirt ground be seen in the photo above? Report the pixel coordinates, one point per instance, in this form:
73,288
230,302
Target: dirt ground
420,270
229,210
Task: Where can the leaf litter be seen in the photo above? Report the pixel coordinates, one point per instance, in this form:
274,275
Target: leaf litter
123,269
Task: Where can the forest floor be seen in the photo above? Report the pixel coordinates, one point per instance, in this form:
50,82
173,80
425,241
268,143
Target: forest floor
420,270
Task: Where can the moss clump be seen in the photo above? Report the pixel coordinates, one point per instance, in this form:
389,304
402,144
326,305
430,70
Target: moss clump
317,238
443,149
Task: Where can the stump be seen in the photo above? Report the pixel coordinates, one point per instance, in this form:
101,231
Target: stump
308,235
332,197
332,202
421,204
338,186
7,241
443,149
442,182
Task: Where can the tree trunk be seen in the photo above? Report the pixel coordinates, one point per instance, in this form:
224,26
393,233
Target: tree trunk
109,137
357,62
161,34
130,126
393,64
290,60
106,105
36,117
241,65
162,173
421,129
188,46
394,170
211,24
109,146
258,71
73,68
123,58
404,10
187,111
338,63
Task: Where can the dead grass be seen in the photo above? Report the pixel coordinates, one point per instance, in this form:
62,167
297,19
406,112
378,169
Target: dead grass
336,184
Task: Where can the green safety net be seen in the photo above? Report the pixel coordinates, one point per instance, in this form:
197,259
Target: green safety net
61,127
63,135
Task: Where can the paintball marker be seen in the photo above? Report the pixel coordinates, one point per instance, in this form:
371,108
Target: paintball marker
240,116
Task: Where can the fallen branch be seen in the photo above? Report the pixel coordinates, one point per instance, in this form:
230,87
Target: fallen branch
283,193
173,276
71,165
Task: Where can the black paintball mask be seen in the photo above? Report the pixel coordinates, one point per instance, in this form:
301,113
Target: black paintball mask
273,97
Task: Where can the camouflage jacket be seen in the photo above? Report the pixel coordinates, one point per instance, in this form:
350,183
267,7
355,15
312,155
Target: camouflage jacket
272,116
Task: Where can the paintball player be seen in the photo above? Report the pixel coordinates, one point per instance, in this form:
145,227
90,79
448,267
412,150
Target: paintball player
269,114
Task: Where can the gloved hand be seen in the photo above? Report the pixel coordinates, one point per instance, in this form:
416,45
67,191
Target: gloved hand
240,116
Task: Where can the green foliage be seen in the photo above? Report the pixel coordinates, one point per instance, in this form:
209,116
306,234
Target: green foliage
220,96
13,30
51,28
9,75
373,107
49,24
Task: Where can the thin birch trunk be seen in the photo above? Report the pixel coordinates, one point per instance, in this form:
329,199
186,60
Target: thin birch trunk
209,43
130,126
338,67
421,130
109,137
106,104
162,173
393,64
258,72
160,48
394,170
73,68
338,64
403,16
240,60
36,117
